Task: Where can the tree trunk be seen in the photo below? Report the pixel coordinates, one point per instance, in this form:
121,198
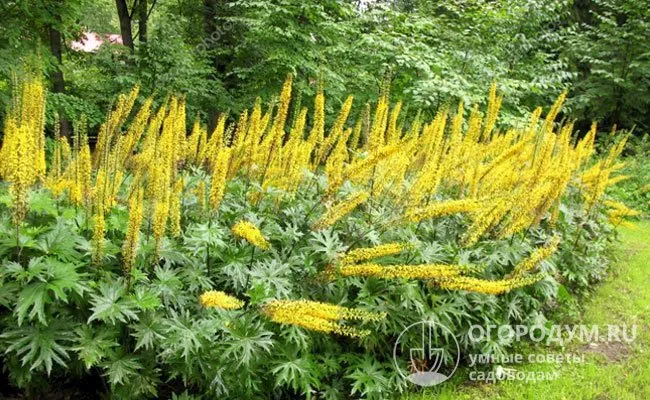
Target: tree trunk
125,24
210,27
57,76
143,16
219,33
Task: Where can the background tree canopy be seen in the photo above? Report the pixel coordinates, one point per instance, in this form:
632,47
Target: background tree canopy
222,54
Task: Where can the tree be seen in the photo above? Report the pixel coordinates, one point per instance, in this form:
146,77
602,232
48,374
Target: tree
608,45
33,25
127,15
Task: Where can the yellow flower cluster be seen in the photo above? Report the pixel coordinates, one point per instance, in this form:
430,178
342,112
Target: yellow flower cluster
99,228
402,271
218,299
537,256
218,185
598,178
132,239
175,208
486,286
440,209
618,212
320,317
339,210
369,253
348,267
22,155
249,232
505,181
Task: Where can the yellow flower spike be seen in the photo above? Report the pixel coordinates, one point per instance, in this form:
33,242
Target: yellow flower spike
336,159
494,104
392,133
317,134
376,138
22,155
199,192
336,131
249,232
216,142
283,109
320,317
350,331
130,246
159,219
339,210
192,145
218,299
368,253
421,271
485,218
537,256
219,178
240,131
85,170
356,134
618,212
99,227
619,209
175,212
360,168
486,286
441,209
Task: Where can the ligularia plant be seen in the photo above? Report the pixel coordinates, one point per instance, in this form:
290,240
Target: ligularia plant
278,251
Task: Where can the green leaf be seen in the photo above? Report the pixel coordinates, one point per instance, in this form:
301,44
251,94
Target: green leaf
110,304
93,346
31,302
122,370
40,346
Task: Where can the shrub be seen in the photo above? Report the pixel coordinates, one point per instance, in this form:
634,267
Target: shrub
635,189
262,261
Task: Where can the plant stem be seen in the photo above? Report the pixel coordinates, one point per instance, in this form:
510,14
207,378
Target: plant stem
207,248
248,268
18,249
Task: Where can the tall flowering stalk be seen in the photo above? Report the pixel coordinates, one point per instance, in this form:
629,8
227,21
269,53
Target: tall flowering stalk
320,317
22,156
132,239
99,230
369,253
339,210
219,179
175,212
537,256
483,286
402,271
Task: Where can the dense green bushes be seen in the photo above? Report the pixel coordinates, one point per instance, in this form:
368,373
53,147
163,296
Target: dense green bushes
436,53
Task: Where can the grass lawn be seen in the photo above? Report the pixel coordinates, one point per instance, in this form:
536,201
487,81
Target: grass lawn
616,371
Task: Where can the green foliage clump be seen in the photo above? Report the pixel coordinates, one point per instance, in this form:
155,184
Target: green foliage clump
83,297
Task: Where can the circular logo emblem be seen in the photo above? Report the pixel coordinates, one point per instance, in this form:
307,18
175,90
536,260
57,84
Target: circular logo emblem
426,353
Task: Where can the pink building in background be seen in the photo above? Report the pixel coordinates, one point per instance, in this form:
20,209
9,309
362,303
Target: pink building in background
90,42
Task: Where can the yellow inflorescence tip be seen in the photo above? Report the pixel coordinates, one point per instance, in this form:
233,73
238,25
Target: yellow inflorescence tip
218,299
369,253
249,232
319,317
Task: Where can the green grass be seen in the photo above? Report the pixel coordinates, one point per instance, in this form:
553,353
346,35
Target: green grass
608,372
